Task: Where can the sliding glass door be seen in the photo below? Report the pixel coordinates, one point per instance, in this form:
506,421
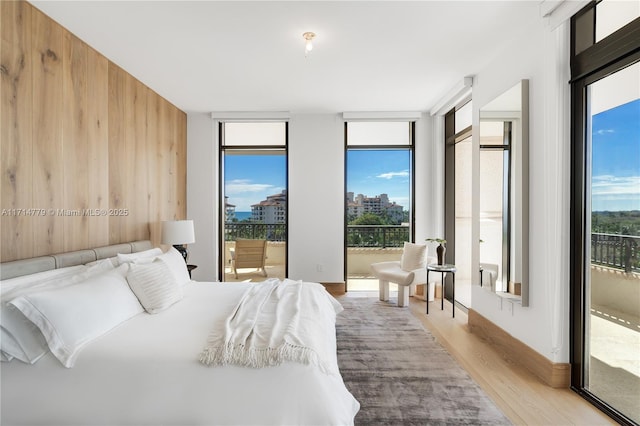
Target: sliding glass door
612,273
605,285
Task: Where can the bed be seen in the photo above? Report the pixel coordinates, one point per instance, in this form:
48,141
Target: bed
149,369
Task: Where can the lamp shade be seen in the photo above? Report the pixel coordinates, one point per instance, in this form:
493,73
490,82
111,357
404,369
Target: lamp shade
178,232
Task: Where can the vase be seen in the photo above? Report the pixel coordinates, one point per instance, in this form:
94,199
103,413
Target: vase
440,252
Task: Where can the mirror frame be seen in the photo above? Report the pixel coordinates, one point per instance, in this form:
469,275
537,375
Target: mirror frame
518,210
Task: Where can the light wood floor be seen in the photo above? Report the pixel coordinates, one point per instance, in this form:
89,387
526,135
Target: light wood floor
519,394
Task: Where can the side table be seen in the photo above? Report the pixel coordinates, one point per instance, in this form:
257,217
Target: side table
443,269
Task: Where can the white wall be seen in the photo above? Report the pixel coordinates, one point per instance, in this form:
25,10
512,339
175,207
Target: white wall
542,57
202,198
316,182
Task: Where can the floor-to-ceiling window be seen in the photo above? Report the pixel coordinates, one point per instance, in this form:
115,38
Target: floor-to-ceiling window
379,196
458,180
605,284
253,180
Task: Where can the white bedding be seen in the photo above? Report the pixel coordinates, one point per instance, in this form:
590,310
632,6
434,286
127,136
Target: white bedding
146,371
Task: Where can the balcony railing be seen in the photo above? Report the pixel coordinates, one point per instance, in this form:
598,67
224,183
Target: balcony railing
261,231
377,235
616,251
611,250
357,236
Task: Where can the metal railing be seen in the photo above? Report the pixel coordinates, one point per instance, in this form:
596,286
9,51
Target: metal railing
260,231
357,236
611,250
377,235
616,251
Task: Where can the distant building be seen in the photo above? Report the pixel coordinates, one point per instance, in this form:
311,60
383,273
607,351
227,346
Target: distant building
229,210
379,205
272,210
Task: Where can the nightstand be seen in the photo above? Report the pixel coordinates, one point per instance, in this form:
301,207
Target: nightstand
191,268
443,269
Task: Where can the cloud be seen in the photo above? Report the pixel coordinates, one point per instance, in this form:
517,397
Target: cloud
241,186
615,185
604,131
391,175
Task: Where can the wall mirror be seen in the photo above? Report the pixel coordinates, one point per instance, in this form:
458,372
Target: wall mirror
504,194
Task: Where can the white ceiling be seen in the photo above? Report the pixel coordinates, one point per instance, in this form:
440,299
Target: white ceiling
208,56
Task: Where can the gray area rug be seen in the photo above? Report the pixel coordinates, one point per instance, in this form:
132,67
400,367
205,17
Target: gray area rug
399,372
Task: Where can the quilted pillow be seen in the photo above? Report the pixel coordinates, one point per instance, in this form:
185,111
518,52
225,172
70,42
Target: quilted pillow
154,285
413,257
174,260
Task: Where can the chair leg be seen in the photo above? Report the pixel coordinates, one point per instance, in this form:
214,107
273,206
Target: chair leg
403,296
384,290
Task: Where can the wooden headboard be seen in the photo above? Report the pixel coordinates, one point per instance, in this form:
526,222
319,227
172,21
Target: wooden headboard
18,268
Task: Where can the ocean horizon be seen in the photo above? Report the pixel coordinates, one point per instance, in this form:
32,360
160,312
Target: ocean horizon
243,215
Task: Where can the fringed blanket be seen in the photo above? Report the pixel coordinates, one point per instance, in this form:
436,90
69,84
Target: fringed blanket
276,322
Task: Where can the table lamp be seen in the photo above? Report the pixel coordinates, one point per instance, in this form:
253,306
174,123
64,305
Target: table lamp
178,233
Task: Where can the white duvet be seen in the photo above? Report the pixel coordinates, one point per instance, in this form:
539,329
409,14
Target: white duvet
147,372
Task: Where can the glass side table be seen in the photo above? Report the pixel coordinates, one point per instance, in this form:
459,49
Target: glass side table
443,269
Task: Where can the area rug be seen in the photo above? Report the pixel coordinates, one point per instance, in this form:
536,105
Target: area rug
399,372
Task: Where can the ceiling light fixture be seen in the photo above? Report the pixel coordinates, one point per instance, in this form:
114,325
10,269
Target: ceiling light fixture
308,45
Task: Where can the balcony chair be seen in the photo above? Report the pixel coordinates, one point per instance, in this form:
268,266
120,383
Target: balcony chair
407,272
249,254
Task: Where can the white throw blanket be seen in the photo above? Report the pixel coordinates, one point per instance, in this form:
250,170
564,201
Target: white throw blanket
275,322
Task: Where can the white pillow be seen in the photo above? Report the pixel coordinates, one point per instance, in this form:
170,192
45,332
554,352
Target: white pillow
154,285
19,337
70,317
177,265
13,287
414,256
132,257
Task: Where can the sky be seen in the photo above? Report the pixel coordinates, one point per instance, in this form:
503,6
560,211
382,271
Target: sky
375,172
616,158
249,179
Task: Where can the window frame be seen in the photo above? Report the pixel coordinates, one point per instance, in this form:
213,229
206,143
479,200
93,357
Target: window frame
590,62
222,205
412,195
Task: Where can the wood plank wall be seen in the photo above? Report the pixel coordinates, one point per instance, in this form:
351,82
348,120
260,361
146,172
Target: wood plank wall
78,132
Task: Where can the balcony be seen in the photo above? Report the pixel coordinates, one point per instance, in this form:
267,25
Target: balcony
616,251
366,244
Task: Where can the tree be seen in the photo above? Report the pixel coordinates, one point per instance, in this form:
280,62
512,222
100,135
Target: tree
368,219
